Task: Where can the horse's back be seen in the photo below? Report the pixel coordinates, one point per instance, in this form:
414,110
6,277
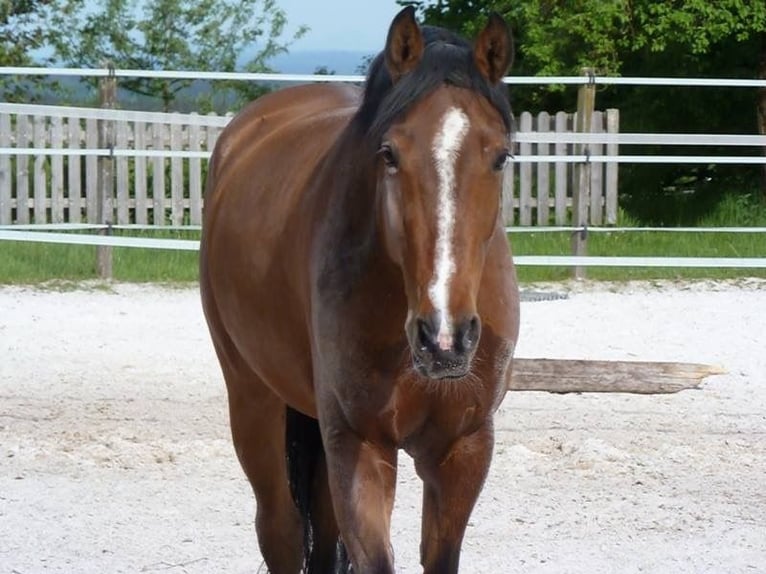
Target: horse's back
253,262
277,132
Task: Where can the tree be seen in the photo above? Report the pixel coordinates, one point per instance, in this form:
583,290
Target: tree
219,35
21,33
554,37
641,38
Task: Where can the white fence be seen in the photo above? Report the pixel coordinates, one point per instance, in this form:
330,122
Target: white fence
50,167
595,149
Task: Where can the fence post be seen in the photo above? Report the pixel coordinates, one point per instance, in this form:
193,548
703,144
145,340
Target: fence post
107,98
586,101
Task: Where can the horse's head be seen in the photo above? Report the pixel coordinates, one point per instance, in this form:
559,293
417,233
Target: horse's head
443,129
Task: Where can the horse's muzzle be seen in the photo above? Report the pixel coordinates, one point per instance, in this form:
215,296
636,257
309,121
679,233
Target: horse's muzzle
437,355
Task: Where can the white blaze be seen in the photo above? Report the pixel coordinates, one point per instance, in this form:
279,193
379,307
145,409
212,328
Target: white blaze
446,148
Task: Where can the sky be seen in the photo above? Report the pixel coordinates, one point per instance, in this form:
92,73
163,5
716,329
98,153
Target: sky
357,25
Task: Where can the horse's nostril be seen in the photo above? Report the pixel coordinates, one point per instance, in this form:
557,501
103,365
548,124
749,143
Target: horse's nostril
469,334
426,334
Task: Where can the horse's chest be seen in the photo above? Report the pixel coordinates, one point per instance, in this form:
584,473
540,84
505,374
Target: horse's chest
429,414
384,399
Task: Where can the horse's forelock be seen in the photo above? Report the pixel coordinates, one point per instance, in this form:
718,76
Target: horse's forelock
447,59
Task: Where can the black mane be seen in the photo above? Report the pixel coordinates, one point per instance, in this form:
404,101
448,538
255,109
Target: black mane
447,59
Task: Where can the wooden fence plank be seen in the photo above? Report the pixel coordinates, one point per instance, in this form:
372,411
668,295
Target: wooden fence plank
195,176
508,192
543,171
596,203
23,138
57,171
122,172
211,136
525,173
74,171
40,185
6,177
176,175
560,172
612,149
211,133
139,185
158,176
92,214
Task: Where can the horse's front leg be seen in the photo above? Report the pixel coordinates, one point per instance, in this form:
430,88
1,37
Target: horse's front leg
362,478
451,486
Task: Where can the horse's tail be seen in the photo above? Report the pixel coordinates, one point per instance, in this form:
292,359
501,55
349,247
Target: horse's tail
304,454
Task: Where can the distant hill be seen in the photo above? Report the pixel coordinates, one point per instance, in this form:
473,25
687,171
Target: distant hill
340,62
300,62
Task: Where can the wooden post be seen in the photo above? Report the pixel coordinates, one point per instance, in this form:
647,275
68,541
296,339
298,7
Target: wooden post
579,376
761,109
586,100
108,97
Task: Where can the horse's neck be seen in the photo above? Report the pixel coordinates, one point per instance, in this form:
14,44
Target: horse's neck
350,247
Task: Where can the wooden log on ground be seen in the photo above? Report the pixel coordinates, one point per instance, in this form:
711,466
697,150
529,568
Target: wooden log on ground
578,376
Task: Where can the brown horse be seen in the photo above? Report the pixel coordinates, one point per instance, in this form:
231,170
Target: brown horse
361,297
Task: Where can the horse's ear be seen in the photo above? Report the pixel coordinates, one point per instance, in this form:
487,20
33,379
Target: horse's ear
493,50
404,45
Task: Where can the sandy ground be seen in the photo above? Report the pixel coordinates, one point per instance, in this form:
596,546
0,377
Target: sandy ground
115,454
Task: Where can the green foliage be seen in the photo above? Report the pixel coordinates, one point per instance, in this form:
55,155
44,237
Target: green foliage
173,35
22,31
555,37
643,38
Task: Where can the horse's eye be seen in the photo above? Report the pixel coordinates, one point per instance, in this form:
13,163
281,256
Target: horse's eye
389,157
501,160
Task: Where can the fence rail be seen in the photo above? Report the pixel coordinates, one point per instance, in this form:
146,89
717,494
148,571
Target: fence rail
521,260
355,78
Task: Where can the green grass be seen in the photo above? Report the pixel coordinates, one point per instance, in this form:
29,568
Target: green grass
32,263
739,211
637,244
